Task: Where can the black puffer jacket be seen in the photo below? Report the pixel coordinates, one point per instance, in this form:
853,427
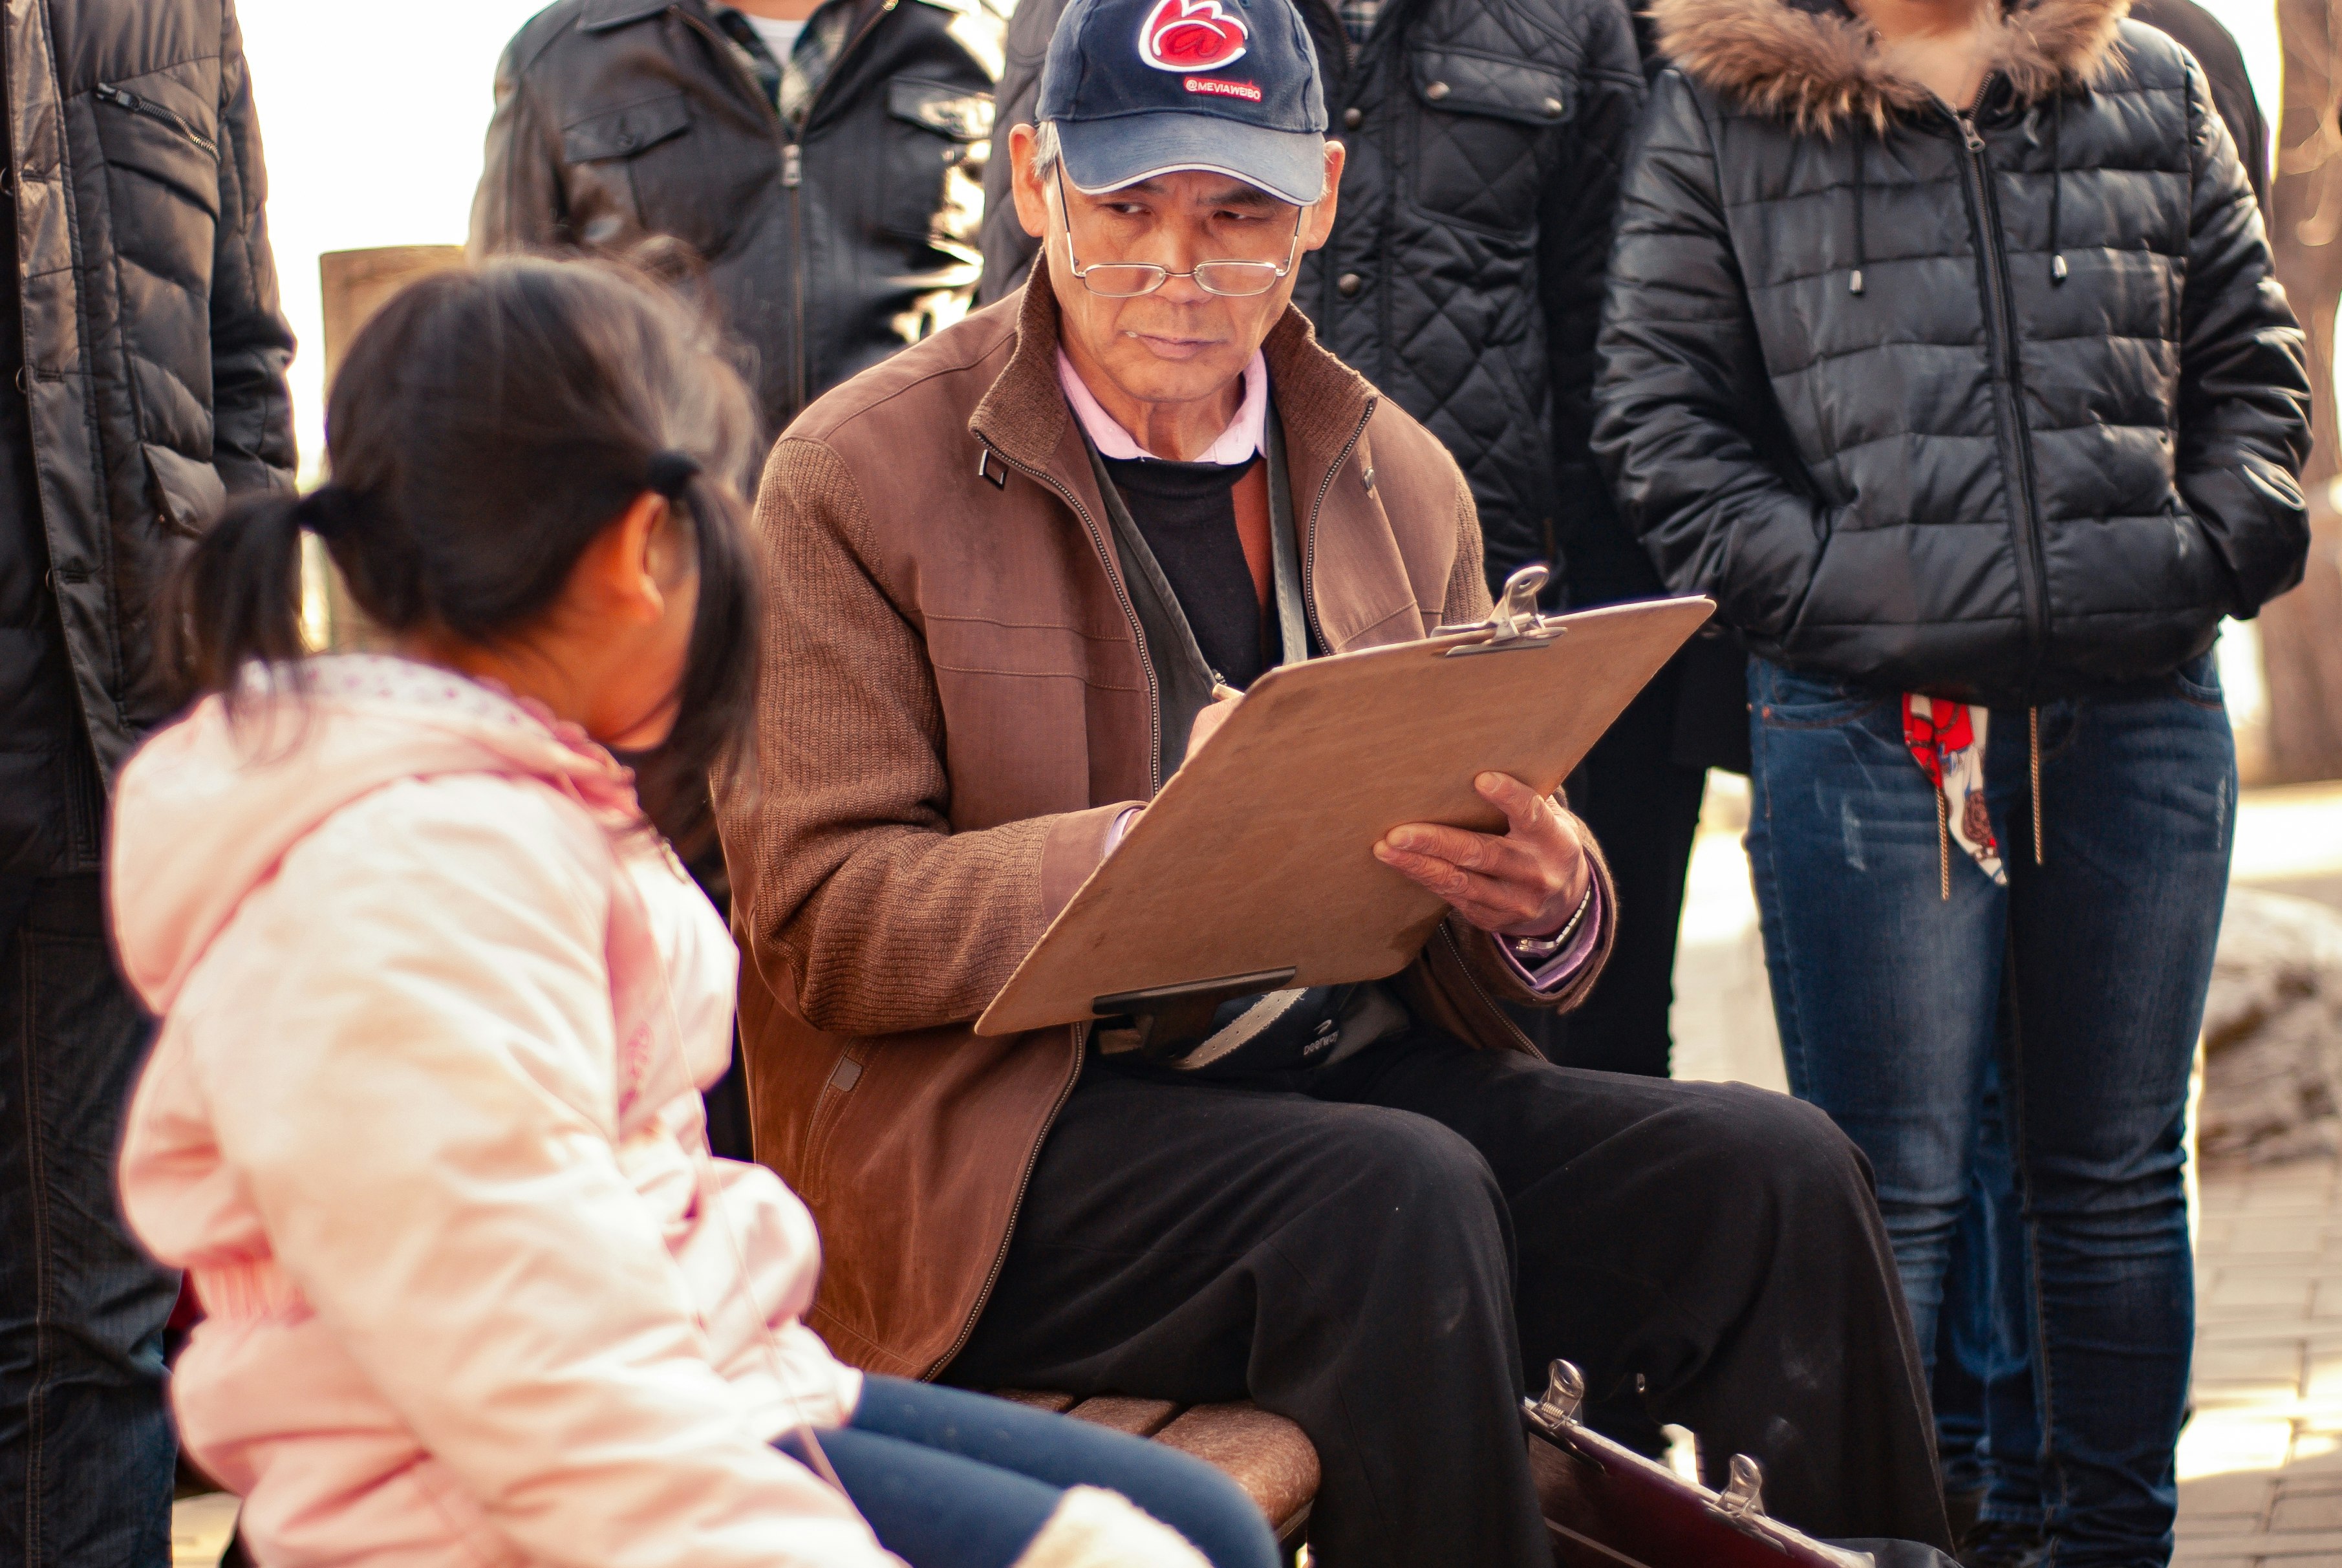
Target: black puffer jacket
829,248
1464,278
146,382
1996,407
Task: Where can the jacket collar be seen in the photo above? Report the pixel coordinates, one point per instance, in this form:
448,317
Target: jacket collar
1817,65
1323,402
602,15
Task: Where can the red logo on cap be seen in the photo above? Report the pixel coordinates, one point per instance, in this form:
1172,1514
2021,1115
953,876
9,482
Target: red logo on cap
1191,35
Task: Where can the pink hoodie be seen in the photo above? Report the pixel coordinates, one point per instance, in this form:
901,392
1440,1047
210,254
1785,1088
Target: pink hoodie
423,1123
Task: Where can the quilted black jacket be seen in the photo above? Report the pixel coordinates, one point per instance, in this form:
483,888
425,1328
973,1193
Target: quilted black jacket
1464,276
147,381
1996,406
829,248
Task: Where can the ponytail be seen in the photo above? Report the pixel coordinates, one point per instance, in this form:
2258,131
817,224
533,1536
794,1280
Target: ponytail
717,704
236,598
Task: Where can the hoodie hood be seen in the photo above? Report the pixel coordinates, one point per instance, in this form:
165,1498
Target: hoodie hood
208,808
1821,68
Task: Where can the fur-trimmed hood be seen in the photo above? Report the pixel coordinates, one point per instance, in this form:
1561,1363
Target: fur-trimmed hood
1824,68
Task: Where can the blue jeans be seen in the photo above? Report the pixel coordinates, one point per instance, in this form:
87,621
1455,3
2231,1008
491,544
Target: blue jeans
949,1479
1887,996
1986,1431
86,1453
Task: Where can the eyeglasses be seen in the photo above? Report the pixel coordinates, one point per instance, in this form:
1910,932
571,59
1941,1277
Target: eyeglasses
1128,280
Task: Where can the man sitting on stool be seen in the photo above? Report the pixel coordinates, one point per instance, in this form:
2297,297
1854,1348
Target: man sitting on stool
1008,567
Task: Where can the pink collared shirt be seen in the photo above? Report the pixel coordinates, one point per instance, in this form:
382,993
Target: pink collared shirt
1238,444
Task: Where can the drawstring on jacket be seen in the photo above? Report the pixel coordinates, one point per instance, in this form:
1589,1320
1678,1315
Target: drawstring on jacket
2056,192
2033,722
2057,186
1854,282
1944,841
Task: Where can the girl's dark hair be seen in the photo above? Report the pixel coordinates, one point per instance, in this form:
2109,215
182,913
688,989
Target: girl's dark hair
484,428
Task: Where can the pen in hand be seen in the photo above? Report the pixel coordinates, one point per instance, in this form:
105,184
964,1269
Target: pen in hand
1214,714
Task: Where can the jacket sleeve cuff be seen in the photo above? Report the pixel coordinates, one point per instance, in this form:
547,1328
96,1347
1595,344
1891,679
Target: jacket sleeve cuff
1566,984
1077,841
1552,973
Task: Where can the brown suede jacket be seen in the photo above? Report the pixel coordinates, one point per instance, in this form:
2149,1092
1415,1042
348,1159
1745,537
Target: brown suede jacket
956,709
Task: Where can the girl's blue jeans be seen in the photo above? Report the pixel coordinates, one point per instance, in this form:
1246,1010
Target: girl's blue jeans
1887,995
949,1479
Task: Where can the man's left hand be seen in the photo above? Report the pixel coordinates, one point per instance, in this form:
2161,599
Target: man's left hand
1524,882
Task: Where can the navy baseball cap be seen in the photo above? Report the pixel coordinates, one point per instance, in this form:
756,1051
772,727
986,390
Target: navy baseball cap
1138,88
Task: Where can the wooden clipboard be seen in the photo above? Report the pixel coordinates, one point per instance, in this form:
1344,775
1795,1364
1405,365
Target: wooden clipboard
1256,857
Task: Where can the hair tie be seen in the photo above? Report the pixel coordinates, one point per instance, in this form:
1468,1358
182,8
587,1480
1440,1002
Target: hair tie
329,511
672,472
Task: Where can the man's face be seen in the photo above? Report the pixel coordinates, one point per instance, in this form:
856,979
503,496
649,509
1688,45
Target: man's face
1180,343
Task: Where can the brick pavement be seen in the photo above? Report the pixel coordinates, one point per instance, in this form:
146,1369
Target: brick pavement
2260,1465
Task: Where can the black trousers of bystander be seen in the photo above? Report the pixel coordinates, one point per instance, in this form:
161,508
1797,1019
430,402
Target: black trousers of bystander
1642,801
1388,1251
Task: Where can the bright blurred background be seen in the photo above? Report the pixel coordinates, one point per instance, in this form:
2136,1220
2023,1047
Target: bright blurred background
372,117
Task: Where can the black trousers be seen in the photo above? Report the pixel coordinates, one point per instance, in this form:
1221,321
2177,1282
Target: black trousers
86,1449
1384,1255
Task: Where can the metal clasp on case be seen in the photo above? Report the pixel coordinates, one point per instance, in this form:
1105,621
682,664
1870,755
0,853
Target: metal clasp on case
1565,1395
1743,1496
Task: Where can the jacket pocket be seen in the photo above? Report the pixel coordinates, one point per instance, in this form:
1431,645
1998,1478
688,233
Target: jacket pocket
626,130
158,143
1786,699
1479,136
187,495
931,181
2199,681
639,166
177,128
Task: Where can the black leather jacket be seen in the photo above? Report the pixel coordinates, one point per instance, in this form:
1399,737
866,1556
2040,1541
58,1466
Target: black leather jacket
1464,278
828,249
2000,405
147,383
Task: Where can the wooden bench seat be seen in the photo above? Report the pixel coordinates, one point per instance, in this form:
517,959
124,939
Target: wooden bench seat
1266,1454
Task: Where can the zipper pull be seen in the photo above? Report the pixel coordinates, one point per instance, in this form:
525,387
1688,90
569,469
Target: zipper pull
792,166
1969,130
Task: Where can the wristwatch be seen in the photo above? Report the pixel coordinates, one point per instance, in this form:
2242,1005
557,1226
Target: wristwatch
1539,948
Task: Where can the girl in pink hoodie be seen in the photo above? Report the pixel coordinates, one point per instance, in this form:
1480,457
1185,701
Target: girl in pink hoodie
423,1121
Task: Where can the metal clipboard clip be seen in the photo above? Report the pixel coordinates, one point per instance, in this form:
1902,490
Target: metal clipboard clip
1516,625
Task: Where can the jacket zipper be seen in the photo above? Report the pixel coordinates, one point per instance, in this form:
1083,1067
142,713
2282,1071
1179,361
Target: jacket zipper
793,179
1337,98
2000,335
792,173
1309,532
123,98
